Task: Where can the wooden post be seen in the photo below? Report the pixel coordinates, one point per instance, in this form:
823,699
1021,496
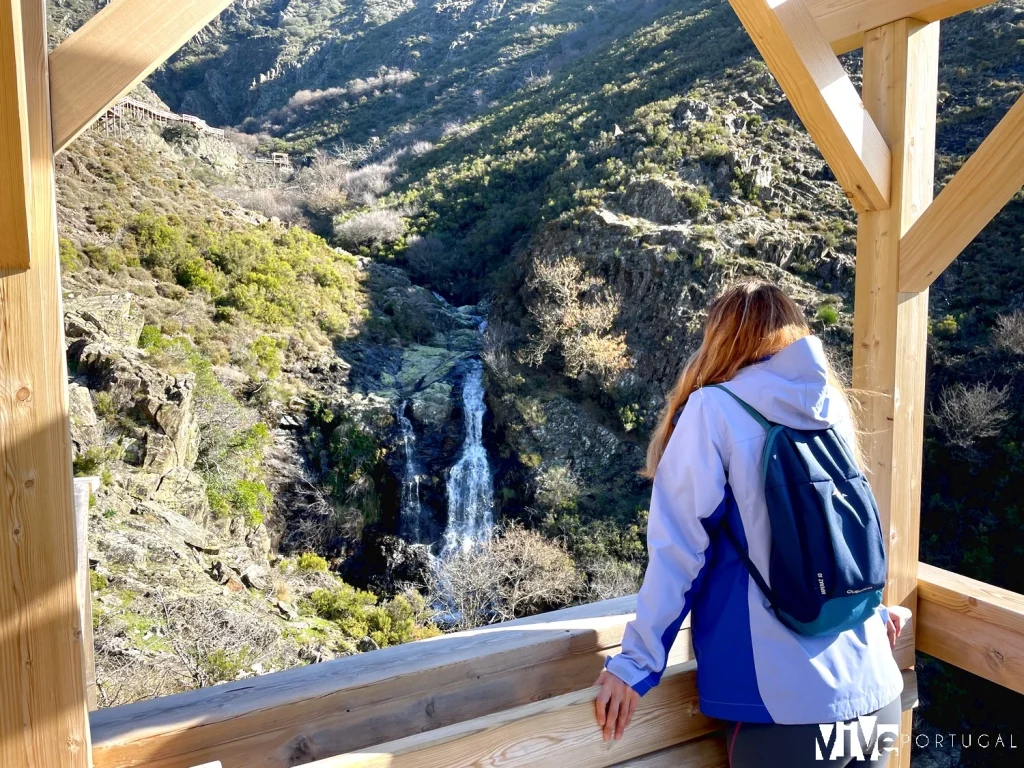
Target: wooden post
43,719
14,161
84,488
890,328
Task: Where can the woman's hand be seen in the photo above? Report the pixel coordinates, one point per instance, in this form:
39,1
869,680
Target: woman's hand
898,617
615,705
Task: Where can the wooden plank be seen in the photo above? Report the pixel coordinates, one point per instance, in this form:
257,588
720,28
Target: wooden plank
83,493
115,51
706,752
972,625
979,190
844,22
823,96
558,733
890,328
14,143
277,720
42,699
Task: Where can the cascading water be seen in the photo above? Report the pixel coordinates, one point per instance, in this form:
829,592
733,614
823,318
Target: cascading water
470,486
411,508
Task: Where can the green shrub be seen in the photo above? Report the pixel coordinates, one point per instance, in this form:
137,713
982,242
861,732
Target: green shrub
268,353
401,620
150,337
828,315
252,501
69,260
310,561
192,273
105,406
88,462
97,581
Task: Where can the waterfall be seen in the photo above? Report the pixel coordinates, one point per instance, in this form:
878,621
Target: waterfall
470,488
411,509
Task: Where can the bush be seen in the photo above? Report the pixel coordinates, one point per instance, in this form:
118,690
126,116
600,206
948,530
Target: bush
967,414
310,561
828,315
180,134
517,573
357,615
1009,333
574,313
89,462
150,337
372,228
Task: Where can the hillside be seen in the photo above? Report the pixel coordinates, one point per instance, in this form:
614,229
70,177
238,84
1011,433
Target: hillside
588,175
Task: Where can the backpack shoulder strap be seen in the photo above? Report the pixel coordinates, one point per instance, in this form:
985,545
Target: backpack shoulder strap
749,564
754,413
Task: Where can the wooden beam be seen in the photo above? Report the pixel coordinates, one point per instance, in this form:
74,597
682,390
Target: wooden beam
556,733
14,148
43,718
972,625
823,96
278,720
890,329
901,63
979,190
115,51
844,22
705,752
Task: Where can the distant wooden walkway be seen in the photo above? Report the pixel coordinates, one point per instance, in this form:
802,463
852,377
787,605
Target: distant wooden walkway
139,110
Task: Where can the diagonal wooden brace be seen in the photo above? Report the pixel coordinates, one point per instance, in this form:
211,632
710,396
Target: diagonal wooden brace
823,96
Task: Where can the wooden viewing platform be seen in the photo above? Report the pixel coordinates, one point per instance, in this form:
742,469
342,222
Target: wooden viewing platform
517,694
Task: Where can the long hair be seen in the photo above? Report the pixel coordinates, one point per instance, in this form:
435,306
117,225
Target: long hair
749,321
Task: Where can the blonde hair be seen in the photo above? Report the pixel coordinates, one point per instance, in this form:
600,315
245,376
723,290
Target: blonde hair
749,321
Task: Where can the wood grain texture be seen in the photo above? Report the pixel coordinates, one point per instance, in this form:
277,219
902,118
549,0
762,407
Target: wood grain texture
823,97
14,142
42,697
844,22
115,51
890,329
278,720
82,495
558,733
705,752
972,625
978,191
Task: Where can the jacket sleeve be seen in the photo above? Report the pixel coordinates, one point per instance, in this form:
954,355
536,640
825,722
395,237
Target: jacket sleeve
689,487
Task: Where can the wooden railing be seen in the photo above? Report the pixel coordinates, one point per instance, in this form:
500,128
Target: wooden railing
521,689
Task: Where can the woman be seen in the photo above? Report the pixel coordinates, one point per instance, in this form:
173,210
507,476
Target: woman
773,686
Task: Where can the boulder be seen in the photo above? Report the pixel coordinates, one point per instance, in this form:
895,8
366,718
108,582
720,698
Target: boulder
693,110
115,316
654,200
184,492
85,430
255,577
433,405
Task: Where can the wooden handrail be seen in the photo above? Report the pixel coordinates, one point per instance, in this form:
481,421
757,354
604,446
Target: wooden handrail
971,625
303,714
341,706
549,734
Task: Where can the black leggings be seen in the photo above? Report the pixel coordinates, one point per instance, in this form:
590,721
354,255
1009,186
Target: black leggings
756,745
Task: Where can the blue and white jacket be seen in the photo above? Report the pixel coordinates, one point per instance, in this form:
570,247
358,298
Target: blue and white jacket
750,667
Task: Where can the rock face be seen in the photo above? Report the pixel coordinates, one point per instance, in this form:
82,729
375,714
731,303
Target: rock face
103,334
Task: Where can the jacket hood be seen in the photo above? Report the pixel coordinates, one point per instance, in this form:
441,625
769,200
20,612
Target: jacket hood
791,387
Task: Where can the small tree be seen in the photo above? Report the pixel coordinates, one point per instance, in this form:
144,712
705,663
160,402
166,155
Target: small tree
965,414
517,573
1009,332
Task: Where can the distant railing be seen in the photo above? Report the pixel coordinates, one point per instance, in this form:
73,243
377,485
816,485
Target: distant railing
521,690
142,110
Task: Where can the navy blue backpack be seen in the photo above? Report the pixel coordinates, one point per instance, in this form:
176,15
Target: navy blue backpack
827,562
